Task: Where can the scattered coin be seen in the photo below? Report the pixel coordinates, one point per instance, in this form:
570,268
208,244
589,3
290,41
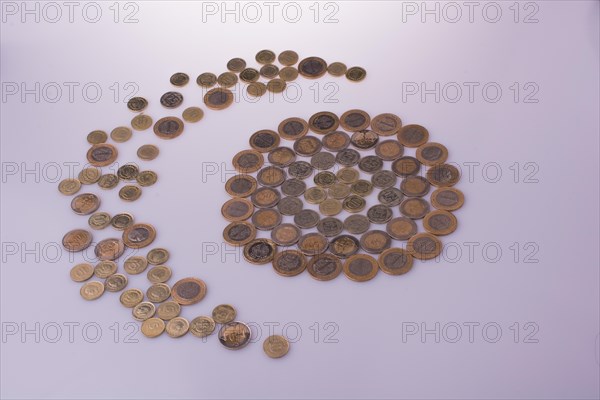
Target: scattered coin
414,208
364,139
292,128
330,226
115,283
395,261
256,89
137,104
85,204
236,64
248,161
323,122
135,265
140,122
121,221
432,153
337,69
276,346
290,205
356,74
157,256
241,185
99,220
276,85
443,175
324,267
440,222
202,326
153,327
271,176
401,228
128,172
293,187
131,297
269,71
168,127
312,67
375,241
313,243
109,249
101,155
330,207
148,152
300,169
234,335
289,263
265,57
306,219
237,209
206,80
179,79
336,141
265,197
168,310
144,310
344,246
448,199
108,181
357,224
137,236
77,240
264,219
414,186
227,79
315,195
322,160
223,314
386,124
285,235
89,176
354,203
192,114
325,179
81,272
379,214
307,146
288,57
355,120
104,269
384,179
239,233
97,137
130,193
249,75
361,187
159,274
69,186
347,157
339,191
282,156
406,165
389,150
413,135
288,74
91,290
218,98
361,267
260,251
121,134
370,164
146,178
424,246
177,327
347,175
158,292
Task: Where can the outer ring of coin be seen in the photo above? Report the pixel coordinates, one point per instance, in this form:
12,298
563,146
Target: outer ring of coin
439,232
106,162
184,301
395,271
360,278
350,128
139,245
227,102
162,135
268,259
243,217
286,273
233,242
283,350
424,256
333,275
435,202
292,137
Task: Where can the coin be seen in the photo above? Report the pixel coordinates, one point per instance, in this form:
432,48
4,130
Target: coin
325,179
288,57
236,64
234,335
109,249
81,272
223,314
249,75
77,240
344,246
330,226
414,186
89,176
202,326
276,346
239,233
104,269
432,153
69,186
364,139
322,160
168,127
158,292
171,99
177,327
265,197
137,236
241,185
413,135
357,224
424,246
135,265
130,193
179,79
148,152
256,89
401,228
101,155
361,187
336,141
159,274
384,179
264,140
248,161
292,128
121,134
115,283
370,164
157,256
395,261
192,114
440,222
315,195
312,67
218,98
85,204
448,199
379,214
390,197
121,221
290,205
99,220
375,241
355,120
347,175
140,122
324,267
237,209
289,263
406,165
386,124
347,157
168,310
265,219
137,104
443,175
146,178
276,85
361,267
306,219
206,80
143,310
293,187
313,243
128,172
265,57
338,191
108,181
227,79
260,251
300,169
281,156
353,203
337,69
269,71
97,137
288,74
286,234
307,146
131,297
153,327
323,122
389,150
91,290
330,207
356,74
414,208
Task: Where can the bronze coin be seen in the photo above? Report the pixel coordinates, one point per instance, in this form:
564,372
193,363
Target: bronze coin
99,220
292,128
281,156
289,263
236,64
355,120
140,122
168,127
443,175
234,335
361,187
241,185
237,209
137,104
440,222
288,57
158,292
101,155
256,89
288,74
135,265
130,193
379,214
414,208
290,205
218,98
390,197
122,134
384,179
395,261
356,74
330,226
357,224
293,187
386,124
266,219
313,243
271,176
322,160
264,140
121,221
159,274
77,240
85,203
406,165
338,191
188,291
265,197
315,195
179,79
269,71
370,164
265,57
354,203
115,283
448,199
312,67
324,267
249,75
81,272
300,169
89,176
325,179
337,69
361,267
414,186
413,135
108,181
248,161
206,80
171,99
389,150
323,122
330,207
347,175
104,269
375,241
286,234
148,152
128,172
146,178
158,256
364,139
432,153
306,219
307,146
227,79
401,228
276,85
336,141
109,249
138,236
97,137
239,233
192,114
260,251
344,246
424,246
347,157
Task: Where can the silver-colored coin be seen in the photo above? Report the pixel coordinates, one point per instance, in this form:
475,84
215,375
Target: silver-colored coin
322,160
293,187
290,205
390,197
306,219
370,164
379,214
384,179
347,157
300,169
330,226
357,224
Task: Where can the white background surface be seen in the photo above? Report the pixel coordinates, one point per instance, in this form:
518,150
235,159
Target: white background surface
558,214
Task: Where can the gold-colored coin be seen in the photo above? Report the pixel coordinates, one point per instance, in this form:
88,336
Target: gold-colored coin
265,219
414,207
361,187
288,74
241,185
339,191
85,204
265,57
115,283
177,327
227,79
89,176
256,89
292,128
99,220
389,150
448,199
81,272
239,233
121,221
146,178
406,165
248,161
269,71
276,346
443,175
361,267
354,203
192,114
337,69
202,326
260,251
69,186
336,141
137,236
325,179
234,335
286,234
135,265
323,122
153,327
158,292
143,310
264,140
289,263
330,207
249,75
424,246
356,74
395,261
77,240
288,57
218,98
324,267
414,186
97,137
159,274
386,124
206,80
158,256
271,176
375,241
413,135
128,172
131,297
141,122
101,155
440,222
348,175
137,104
432,153
236,64
312,67
188,291
105,268
108,181
130,192
121,134
401,228
109,249
313,243
224,313
168,310
237,209
276,85
315,195
168,127
179,79
91,290
148,152
355,120
265,197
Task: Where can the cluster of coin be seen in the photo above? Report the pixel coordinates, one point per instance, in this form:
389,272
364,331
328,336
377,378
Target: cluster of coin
336,169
